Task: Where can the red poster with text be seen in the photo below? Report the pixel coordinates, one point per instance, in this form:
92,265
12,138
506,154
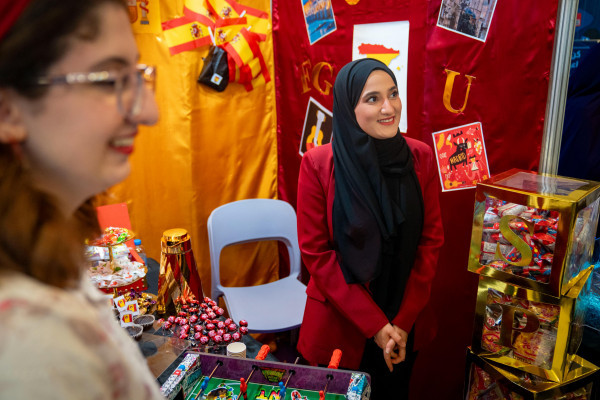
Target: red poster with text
461,157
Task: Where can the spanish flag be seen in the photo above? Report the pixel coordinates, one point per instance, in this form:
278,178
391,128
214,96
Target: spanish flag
227,29
243,47
132,306
249,75
258,23
224,8
126,319
120,303
245,73
183,34
196,11
258,81
257,20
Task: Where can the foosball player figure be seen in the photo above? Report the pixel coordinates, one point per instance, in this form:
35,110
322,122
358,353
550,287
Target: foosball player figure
244,388
281,390
284,387
334,363
262,354
206,380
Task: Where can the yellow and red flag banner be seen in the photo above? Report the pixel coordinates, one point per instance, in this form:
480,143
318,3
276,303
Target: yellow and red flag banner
201,161
120,303
227,28
183,34
133,307
225,23
126,319
258,81
248,75
196,11
258,20
247,57
223,9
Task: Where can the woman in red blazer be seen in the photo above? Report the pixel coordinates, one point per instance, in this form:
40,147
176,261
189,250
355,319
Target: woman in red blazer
370,230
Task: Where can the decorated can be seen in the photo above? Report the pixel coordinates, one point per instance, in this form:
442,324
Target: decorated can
178,279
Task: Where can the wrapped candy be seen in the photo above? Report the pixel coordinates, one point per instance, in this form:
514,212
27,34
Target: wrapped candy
206,334
492,382
112,236
534,228
537,347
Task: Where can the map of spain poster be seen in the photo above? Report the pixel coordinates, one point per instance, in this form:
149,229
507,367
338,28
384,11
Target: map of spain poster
388,43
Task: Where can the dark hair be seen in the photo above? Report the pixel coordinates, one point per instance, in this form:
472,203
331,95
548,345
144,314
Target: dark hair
36,238
41,36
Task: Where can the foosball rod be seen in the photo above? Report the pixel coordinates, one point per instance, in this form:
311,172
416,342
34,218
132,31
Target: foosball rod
262,354
334,363
283,387
207,379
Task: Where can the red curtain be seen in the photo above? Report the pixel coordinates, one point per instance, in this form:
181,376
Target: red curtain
508,73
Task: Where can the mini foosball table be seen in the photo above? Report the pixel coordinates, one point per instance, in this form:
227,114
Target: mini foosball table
219,377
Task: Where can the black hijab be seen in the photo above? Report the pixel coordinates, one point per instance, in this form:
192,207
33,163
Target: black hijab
378,205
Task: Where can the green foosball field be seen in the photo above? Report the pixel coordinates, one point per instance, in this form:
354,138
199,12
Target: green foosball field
227,389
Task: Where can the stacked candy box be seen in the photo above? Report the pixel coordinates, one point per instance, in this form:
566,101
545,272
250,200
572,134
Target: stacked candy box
490,381
527,330
535,231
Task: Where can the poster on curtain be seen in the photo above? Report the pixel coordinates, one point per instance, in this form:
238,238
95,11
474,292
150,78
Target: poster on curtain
319,19
461,156
318,126
470,18
388,43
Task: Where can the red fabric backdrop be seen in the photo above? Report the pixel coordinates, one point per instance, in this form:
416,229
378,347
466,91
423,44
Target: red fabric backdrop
508,96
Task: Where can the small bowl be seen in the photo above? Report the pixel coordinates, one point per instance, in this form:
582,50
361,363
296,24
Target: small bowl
146,320
135,331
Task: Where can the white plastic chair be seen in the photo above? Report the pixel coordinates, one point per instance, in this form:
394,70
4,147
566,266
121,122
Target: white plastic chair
272,307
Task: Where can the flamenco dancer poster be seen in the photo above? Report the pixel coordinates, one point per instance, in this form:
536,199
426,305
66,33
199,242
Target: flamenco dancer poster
461,157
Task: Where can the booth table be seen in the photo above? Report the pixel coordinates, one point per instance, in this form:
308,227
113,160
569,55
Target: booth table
164,353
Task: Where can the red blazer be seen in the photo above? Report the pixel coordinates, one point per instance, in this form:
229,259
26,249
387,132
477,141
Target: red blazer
343,316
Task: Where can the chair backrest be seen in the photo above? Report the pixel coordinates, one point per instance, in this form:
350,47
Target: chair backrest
251,220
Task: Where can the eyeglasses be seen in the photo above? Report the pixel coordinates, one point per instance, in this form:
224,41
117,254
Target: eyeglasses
128,86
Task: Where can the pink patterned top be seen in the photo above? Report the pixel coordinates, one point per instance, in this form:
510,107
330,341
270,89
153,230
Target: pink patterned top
66,344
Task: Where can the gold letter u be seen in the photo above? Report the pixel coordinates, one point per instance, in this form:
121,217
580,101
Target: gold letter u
448,91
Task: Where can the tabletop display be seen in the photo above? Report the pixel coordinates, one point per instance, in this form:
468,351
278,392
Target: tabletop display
112,269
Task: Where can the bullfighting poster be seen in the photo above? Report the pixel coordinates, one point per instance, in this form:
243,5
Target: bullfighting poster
388,43
461,157
318,126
